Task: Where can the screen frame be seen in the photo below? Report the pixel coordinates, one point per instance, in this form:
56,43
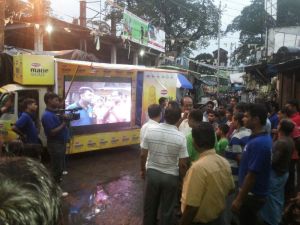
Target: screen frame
99,128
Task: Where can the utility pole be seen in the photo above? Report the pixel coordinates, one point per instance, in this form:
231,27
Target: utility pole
113,54
82,22
219,40
38,30
2,23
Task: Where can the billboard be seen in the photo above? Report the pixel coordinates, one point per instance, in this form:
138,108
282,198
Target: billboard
140,31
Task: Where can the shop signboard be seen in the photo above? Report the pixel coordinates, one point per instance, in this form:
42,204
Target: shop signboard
140,31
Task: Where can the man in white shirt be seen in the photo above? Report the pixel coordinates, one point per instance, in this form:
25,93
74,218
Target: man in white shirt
163,157
154,113
186,106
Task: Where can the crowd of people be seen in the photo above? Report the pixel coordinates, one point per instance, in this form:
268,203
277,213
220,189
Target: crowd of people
234,163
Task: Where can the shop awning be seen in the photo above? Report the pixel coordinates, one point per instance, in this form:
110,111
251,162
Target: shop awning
182,82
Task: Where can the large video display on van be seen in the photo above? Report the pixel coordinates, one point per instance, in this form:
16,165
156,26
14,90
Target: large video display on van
99,102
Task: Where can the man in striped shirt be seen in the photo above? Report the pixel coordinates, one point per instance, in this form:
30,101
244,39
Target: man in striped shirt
163,158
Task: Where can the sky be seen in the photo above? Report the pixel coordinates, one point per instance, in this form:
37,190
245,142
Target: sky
69,9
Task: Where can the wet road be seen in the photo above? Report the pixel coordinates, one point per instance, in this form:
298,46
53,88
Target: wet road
104,188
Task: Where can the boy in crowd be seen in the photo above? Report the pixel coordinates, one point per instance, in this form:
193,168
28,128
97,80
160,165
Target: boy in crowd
186,107
209,107
163,159
163,103
195,118
212,119
207,182
154,113
255,167
28,193
25,125
56,133
221,133
281,158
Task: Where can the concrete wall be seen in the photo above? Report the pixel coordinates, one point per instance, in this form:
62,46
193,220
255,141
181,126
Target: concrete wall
283,36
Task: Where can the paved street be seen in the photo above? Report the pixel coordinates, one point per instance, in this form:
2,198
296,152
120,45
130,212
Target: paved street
104,188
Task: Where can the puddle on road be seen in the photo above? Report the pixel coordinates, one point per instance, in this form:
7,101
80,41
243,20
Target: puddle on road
86,205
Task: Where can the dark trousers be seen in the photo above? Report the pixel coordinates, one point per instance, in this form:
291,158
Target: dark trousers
160,192
249,210
217,221
290,186
57,151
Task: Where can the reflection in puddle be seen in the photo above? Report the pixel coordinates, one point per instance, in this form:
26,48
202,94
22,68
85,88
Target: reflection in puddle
91,203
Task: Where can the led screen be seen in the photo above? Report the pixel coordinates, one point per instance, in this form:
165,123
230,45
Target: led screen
104,101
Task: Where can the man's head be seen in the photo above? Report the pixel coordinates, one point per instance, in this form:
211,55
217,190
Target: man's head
29,105
28,194
195,117
286,127
172,113
203,136
186,103
234,101
255,116
282,113
211,116
210,106
292,106
238,120
222,130
154,112
86,94
240,107
163,102
51,100
229,113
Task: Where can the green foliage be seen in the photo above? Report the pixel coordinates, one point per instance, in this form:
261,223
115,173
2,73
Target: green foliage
184,21
288,13
252,26
16,9
205,57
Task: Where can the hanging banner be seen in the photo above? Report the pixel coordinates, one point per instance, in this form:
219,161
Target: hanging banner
134,28
156,85
156,38
140,31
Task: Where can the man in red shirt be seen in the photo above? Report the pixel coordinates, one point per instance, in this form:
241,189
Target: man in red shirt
292,110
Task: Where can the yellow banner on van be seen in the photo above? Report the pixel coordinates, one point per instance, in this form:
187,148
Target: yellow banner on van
33,69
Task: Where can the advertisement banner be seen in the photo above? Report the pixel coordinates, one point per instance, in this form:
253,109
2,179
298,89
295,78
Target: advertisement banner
156,38
134,28
33,69
140,31
156,85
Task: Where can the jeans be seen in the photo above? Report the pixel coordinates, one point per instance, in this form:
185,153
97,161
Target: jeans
249,210
57,151
160,192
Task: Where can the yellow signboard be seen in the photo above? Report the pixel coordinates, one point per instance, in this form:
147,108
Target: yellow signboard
156,85
34,69
97,141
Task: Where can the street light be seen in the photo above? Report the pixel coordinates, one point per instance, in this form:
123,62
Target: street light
49,28
142,52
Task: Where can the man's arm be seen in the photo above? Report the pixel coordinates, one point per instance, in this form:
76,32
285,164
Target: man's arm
55,130
188,215
246,187
18,131
183,166
144,155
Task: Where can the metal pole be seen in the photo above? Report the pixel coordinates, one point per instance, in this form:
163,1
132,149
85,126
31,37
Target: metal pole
2,23
38,29
219,40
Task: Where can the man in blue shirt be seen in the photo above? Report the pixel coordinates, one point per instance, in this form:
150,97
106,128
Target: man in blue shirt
86,113
56,132
255,167
25,125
